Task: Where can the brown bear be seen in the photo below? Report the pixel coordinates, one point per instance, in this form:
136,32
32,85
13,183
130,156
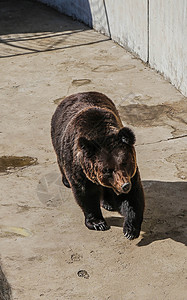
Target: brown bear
97,160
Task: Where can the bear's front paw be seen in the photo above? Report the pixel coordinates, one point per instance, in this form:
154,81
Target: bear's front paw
95,224
130,232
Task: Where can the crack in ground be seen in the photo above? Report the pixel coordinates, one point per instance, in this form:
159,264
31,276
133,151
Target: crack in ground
160,141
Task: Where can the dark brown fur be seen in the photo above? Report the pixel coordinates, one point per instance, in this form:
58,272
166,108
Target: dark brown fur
97,160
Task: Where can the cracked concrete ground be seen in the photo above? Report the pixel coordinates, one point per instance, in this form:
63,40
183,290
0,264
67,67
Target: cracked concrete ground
46,251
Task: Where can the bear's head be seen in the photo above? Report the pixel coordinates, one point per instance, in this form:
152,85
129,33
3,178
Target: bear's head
110,161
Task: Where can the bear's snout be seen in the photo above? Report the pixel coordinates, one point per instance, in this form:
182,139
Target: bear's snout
126,187
121,184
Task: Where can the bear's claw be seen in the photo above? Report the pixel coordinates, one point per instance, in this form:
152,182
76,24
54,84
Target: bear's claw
107,206
131,234
100,226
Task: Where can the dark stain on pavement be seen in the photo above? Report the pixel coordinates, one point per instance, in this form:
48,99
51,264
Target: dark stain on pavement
83,273
80,82
155,115
9,163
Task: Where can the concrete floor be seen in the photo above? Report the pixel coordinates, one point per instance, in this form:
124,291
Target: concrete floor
46,251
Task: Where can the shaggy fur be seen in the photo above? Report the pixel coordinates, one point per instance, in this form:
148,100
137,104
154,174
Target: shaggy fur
97,160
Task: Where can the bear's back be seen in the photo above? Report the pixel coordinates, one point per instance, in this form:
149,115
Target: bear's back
75,105
72,105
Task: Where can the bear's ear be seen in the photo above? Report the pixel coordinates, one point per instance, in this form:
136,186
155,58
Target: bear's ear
88,146
126,135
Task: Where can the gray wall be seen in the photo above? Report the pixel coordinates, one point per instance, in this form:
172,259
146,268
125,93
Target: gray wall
168,40
156,31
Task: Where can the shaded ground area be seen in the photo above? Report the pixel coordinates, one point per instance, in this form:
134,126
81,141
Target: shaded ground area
46,251
38,31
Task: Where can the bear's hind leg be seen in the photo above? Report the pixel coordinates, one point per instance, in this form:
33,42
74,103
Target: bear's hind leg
64,179
88,198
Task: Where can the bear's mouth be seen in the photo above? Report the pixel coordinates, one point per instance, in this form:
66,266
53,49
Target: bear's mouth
121,191
117,192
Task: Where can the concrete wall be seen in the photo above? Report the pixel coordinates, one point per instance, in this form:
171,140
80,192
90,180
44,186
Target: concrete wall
117,19
153,30
168,40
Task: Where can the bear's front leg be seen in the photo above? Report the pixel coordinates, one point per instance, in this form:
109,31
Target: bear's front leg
132,222
132,208
88,197
108,201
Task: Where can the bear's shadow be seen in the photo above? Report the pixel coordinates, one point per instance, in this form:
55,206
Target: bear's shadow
164,217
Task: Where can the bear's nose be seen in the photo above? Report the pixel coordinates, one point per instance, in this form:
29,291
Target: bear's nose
126,186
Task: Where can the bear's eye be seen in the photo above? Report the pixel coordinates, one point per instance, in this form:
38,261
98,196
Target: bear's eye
107,172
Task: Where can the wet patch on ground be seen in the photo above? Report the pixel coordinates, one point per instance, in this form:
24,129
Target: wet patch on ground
80,82
10,163
112,68
180,162
135,98
155,115
5,289
11,231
